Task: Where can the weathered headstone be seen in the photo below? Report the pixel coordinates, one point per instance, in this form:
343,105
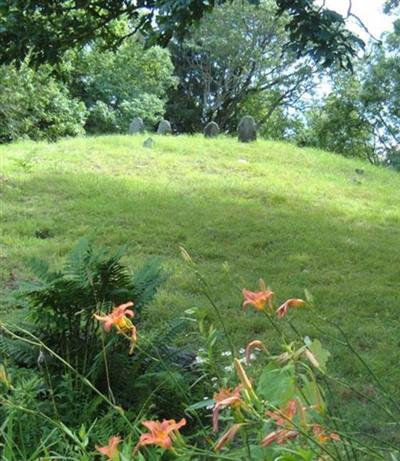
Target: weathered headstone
164,127
136,126
211,130
148,143
247,129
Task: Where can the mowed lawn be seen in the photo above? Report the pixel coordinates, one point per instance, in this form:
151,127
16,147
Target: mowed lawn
299,218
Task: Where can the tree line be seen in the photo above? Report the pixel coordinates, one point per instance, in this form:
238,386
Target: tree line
231,59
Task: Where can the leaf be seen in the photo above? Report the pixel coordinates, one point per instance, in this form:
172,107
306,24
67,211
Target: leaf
313,395
321,354
202,404
276,384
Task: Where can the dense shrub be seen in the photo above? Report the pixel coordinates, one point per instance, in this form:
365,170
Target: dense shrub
34,105
118,86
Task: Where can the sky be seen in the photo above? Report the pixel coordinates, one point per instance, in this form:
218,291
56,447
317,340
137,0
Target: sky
369,11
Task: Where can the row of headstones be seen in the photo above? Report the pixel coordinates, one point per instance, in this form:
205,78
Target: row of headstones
247,128
137,126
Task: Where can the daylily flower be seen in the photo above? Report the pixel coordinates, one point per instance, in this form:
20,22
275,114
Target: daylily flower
225,398
322,435
111,450
258,299
283,419
280,437
119,318
228,436
253,345
283,309
160,433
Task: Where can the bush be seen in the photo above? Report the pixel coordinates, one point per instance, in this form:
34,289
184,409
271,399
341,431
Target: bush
118,86
36,106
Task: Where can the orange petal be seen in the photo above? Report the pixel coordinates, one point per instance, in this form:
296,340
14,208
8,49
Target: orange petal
228,436
253,344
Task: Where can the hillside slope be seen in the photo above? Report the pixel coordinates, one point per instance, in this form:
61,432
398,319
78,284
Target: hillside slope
300,218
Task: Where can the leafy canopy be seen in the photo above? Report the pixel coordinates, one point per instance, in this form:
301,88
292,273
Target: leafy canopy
44,30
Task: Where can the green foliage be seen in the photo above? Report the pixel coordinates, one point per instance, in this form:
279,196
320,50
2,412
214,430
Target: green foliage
118,86
237,53
320,32
277,410
293,215
381,94
34,105
61,304
44,31
276,385
340,125
361,115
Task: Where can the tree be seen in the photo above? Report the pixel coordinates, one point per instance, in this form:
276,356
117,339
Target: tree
381,95
340,124
237,52
117,86
361,116
34,105
44,30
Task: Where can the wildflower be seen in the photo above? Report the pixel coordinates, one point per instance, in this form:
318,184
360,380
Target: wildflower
285,415
280,437
160,433
323,436
226,354
252,345
228,436
283,419
283,309
258,299
225,398
111,450
119,318
228,368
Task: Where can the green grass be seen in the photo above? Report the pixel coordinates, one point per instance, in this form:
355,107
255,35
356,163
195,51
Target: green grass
300,218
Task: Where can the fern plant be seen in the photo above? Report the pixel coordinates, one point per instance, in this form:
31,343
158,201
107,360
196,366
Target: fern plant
61,304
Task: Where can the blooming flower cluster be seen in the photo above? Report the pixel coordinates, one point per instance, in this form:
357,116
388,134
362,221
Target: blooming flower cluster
288,422
260,299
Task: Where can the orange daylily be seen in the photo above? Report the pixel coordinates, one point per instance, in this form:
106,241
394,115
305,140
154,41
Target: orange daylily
110,450
225,398
283,309
252,345
280,437
228,436
119,318
322,435
160,433
258,299
283,419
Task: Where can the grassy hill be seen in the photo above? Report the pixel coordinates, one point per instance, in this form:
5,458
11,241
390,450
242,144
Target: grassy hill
299,218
